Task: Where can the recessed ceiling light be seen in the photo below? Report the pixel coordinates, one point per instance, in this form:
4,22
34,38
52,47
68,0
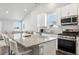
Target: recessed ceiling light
6,12
25,10
51,4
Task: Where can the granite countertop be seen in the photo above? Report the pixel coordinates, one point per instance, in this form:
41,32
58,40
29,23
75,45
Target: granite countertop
46,32
34,40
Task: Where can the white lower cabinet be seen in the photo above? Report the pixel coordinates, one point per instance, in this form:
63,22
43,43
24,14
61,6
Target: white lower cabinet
48,48
41,49
77,46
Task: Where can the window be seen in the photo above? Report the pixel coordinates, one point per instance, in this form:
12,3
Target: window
18,24
52,20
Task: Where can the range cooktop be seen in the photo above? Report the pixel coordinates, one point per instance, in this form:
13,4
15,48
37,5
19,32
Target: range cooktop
69,33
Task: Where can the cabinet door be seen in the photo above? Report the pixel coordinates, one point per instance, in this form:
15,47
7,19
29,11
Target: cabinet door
41,21
78,13
48,48
64,11
41,49
72,8
78,8
77,46
69,10
58,13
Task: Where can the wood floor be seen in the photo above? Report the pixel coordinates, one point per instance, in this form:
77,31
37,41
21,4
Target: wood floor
59,53
4,49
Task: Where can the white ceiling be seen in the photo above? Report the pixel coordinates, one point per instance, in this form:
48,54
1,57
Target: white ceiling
51,7
16,10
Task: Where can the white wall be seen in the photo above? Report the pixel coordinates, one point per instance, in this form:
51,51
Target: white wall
31,23
7,26
31,20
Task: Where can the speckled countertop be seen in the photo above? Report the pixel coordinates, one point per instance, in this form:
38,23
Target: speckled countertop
34,40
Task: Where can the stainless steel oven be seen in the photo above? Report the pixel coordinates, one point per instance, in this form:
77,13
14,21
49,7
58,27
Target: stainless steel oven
67,45
67,41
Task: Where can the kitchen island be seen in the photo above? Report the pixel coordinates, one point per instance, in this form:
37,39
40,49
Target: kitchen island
40,45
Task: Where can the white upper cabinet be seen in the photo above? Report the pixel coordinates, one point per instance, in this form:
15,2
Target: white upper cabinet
42,20
73,10
64,11
69,10
58,14
78,13
78,8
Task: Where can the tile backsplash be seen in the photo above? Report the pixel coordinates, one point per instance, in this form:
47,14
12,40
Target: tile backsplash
71,27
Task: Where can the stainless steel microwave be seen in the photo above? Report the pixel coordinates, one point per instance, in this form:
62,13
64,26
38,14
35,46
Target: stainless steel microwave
73,20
